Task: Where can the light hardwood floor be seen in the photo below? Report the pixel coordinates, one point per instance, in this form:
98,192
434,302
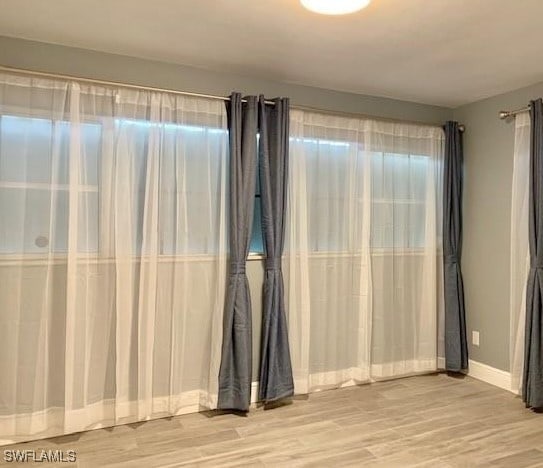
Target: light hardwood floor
427,421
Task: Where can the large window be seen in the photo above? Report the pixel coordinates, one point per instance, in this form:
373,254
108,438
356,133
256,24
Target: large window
399,191
335,175
34,178
35,184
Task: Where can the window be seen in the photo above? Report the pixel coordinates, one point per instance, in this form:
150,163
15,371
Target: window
257,241
35,184
256,247
190,162
35,188
335,177
398,200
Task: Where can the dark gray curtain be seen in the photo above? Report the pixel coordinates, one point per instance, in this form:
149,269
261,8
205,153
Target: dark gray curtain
456,346
275,368
532,389
236,358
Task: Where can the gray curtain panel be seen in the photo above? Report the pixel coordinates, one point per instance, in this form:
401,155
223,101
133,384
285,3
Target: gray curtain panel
276,380
236,358
456,346
532,389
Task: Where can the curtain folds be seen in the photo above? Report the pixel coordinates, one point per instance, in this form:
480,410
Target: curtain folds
275,368
363,238
532,388
456,346
236,358
520,250
112,255
119,210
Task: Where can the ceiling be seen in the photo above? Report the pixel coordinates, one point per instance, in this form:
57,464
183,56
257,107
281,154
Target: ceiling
439,52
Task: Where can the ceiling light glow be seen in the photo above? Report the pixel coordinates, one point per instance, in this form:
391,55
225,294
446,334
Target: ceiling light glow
335,7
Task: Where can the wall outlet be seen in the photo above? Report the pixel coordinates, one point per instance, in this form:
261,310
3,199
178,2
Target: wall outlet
475,338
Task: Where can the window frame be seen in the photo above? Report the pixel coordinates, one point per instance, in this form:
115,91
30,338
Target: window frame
100,255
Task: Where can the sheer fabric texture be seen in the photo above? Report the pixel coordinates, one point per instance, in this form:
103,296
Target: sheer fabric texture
362,263
520,250
113,255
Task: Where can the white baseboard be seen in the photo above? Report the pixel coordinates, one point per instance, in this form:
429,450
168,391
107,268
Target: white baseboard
491,375
477,370
485,373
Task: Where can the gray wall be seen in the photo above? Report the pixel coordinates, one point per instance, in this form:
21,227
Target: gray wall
488,149
90,64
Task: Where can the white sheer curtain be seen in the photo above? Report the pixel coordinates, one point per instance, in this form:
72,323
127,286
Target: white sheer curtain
112,255
362,259
520,250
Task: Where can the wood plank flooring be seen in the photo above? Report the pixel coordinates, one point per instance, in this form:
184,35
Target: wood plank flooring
426,421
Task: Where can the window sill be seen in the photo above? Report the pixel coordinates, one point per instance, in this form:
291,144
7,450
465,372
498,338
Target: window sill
256,257
82,259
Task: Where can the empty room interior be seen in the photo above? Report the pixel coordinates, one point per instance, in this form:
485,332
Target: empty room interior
271,233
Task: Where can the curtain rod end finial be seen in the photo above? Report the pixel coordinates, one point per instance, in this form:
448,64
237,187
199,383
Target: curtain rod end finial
504,114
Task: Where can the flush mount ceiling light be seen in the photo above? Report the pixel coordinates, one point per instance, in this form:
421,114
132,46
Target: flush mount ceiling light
335,7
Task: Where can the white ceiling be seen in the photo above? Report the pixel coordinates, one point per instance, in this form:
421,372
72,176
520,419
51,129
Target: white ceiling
442,52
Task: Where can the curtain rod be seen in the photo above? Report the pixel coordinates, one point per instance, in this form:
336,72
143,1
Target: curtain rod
119,84
79,79
506,114
356,115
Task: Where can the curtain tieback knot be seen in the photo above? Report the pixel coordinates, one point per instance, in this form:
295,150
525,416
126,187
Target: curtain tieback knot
451,259
273,264
237,268
536,263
